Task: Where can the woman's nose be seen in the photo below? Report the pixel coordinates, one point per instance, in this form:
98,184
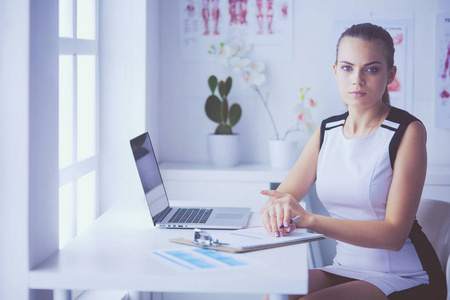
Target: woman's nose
358,79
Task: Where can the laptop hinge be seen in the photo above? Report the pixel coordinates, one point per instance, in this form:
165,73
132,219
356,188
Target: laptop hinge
159,217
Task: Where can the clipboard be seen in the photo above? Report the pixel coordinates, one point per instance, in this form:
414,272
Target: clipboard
236,241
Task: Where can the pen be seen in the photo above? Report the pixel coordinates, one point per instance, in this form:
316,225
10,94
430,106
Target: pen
292,221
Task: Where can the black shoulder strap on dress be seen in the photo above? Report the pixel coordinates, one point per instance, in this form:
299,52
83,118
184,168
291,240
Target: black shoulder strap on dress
403,118
326,125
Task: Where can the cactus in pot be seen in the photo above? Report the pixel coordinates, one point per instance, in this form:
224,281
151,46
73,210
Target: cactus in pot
217,110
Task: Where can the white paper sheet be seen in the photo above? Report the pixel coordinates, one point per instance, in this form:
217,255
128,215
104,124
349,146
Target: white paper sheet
258,237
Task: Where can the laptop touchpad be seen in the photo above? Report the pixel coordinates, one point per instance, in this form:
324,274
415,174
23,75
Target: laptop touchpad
228,216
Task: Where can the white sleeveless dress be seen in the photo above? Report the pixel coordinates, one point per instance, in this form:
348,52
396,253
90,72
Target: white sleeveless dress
353,181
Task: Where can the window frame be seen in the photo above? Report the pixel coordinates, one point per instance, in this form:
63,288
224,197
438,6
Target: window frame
73,46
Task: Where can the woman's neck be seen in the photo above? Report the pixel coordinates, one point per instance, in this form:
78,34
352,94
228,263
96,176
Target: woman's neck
363,122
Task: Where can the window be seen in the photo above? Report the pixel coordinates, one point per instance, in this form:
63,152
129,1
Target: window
78,116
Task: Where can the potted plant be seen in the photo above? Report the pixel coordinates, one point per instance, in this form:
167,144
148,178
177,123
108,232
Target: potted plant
223,144
282,152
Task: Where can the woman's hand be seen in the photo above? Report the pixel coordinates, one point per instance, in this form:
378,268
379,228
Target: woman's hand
279,210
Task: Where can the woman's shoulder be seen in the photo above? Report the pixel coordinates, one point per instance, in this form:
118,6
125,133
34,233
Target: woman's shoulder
335,118
406,127
333,121
401,116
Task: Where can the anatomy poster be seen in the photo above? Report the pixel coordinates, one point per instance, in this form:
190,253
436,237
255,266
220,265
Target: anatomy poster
400,28
265,24
442,71
398,85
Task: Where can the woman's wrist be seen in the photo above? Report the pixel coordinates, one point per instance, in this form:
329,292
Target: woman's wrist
308,220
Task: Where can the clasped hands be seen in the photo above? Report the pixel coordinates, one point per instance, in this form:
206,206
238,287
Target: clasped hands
279,210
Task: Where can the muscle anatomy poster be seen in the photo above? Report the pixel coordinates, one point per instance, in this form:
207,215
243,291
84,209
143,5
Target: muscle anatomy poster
442,71
267,24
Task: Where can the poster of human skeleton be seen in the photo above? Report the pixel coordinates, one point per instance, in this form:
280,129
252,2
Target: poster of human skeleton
265,24
400,90
442,71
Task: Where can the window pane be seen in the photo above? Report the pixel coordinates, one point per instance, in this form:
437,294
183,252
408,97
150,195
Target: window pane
86,107
86,206
66,106
66,214
86,19
66,18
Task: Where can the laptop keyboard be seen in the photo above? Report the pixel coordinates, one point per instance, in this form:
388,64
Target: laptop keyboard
191,215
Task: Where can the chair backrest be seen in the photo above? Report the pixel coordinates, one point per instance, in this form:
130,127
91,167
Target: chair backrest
434,217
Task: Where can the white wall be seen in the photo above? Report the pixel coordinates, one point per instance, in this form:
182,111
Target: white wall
14,44
152,72
29,134
184,125
123,95
43,132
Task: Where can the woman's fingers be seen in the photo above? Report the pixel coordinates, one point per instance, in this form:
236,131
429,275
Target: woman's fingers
280,217
287,216
273,193
277,212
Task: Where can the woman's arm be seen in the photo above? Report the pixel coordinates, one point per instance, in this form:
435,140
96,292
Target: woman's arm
302,176
297,183
403,201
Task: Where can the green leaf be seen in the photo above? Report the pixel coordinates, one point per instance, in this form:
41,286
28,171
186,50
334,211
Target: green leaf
228,84
213,107
224,110
222,89
212,82
223,129
235,114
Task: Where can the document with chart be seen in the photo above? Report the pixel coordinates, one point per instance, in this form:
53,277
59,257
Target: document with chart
192,259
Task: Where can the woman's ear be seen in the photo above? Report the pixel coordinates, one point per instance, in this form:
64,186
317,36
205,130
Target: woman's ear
334,70
391,74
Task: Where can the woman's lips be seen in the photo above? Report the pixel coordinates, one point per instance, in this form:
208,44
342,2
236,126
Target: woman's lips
358,94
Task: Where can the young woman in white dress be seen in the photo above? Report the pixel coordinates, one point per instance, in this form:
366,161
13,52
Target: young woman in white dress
369,166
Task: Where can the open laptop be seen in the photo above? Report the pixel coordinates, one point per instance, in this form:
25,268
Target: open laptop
162,213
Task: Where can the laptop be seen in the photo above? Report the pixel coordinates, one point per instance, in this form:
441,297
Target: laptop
166,216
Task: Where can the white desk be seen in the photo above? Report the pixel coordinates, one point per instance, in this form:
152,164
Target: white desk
115,253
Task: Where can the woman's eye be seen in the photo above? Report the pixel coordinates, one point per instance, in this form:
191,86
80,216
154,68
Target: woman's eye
371,70
346,68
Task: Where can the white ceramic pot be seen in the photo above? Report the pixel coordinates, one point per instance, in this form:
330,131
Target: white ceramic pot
283,154
224,149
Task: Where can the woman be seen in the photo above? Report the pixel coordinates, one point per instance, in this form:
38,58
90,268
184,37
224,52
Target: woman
369,166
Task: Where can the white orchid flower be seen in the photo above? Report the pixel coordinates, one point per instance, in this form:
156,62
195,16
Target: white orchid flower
240,48
239,64
253,78
258,78
256,67
223,55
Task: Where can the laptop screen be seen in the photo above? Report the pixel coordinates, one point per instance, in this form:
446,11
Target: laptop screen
148,170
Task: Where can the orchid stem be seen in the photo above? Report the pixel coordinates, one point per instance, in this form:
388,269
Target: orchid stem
264,101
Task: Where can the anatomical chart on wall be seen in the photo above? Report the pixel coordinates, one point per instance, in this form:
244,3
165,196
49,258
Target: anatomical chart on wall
442,71
398,85
265,24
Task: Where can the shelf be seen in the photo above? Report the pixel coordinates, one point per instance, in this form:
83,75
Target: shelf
437,175
207,172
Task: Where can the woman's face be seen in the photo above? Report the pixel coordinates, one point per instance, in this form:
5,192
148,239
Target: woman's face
361,72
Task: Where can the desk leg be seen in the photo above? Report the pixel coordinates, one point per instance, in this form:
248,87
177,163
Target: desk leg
62,295
278,297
